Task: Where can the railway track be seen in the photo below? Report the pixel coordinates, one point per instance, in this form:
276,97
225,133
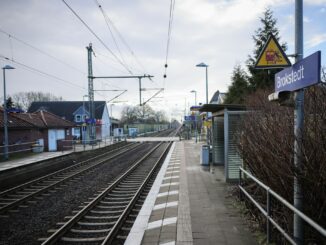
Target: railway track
12,198
108,217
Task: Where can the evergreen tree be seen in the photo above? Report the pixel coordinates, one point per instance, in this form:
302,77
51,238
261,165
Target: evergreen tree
9,103
239,88
263,78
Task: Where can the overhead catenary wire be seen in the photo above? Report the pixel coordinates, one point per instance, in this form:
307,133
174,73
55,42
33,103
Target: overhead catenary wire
97,37
110,24
39,50
171,15
38,71
41,72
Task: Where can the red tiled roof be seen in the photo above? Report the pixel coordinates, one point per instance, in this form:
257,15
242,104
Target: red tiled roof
40,119
14,122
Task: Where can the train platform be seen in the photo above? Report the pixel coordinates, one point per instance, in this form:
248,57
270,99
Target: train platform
38,157
188,204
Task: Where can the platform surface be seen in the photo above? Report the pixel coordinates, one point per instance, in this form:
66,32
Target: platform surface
37,157
188,204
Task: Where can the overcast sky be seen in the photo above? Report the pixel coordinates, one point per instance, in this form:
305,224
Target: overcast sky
218,33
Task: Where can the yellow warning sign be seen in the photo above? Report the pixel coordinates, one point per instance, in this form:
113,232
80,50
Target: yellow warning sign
272,55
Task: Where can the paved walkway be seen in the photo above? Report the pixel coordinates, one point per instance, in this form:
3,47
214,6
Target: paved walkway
188,205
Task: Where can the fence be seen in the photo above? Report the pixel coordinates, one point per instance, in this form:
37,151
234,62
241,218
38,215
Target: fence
21,147
267,213
84,145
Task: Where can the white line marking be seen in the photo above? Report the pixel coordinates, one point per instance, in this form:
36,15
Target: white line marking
165,205
168,184
169,193
159,223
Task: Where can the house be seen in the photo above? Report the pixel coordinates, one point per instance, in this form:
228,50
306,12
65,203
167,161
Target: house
25,129
218,98
78,113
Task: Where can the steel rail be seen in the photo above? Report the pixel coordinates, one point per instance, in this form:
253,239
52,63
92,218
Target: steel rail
118,225
73,173
69,224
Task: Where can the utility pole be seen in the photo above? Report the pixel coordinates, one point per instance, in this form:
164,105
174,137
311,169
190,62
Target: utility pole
91,94
298,225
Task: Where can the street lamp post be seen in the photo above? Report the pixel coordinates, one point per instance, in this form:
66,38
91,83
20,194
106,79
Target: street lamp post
206,66
195,92
5,120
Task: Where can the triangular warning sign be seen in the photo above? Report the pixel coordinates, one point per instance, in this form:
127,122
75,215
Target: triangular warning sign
272,55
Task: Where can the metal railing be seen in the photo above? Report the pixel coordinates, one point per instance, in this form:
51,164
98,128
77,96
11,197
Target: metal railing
267,213
30,146
83,145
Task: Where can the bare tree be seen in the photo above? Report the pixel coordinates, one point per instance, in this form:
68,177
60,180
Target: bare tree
144,114
23,100
266,145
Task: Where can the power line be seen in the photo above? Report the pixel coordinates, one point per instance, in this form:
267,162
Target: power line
110,22
108,26
97,37
172,3
39,50
103,61
37,71
41,72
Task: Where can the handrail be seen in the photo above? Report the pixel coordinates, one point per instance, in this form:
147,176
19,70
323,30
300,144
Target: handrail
25,143
266,213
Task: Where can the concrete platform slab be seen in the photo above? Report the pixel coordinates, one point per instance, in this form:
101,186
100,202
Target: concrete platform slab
190,206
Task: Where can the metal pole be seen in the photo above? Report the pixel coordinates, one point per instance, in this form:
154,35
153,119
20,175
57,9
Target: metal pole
298,225
195,98
91,92
83,127
140,91
196,127
5,116
206,86
268,223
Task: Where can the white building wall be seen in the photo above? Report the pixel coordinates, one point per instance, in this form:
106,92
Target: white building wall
105,123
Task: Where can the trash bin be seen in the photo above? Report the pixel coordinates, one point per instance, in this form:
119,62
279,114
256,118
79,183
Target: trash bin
204,155
36,148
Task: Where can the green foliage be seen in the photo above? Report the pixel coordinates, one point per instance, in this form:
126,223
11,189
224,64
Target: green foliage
244,84
262,79
239,87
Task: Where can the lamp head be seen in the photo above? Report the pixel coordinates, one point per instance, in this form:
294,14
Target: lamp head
8,67
193,91
202,64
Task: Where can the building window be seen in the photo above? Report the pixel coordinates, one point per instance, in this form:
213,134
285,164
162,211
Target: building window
84,118
78,118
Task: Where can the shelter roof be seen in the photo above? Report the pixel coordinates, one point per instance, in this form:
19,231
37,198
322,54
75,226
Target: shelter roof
219,108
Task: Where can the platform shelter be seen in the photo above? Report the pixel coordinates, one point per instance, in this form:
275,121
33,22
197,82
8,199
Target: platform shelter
225,137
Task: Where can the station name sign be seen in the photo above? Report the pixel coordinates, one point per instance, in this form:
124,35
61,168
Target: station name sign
190,118
302,74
